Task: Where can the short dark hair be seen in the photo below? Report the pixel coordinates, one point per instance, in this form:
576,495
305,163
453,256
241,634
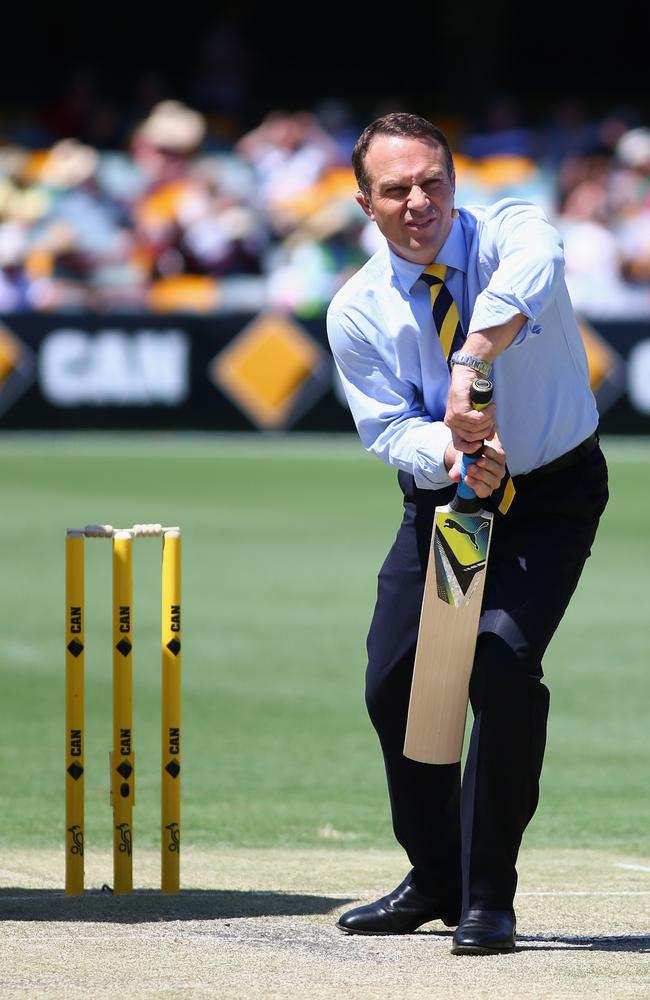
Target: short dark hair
396,123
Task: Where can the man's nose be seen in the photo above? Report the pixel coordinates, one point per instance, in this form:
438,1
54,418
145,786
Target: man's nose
417,198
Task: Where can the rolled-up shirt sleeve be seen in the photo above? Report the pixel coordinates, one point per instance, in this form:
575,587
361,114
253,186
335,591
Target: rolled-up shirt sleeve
529,257
388,412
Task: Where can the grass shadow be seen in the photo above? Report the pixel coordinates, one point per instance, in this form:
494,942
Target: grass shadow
634,943
145,906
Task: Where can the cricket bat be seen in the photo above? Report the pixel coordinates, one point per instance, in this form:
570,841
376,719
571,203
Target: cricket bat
451,607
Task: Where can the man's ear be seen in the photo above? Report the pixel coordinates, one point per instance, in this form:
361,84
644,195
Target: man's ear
361,199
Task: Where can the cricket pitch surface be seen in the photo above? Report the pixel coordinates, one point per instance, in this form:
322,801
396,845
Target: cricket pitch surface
261,924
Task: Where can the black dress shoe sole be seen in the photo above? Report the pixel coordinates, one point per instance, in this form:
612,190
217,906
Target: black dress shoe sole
446,920
476,949
351,930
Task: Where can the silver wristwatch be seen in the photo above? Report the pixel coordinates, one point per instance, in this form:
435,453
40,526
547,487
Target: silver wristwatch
484,367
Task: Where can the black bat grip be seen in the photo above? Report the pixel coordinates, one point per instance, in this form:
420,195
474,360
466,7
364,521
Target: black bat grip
480,394
465,500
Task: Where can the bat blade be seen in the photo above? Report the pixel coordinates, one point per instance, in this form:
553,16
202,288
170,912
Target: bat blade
451,608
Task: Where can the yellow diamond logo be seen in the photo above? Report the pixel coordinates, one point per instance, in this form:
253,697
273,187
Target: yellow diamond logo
16,368
9,354
606,367
270,370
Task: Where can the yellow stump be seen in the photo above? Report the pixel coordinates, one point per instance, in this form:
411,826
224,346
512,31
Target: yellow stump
170,789
74,713
122,759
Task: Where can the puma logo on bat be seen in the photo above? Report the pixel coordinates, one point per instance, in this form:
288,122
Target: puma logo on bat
450,523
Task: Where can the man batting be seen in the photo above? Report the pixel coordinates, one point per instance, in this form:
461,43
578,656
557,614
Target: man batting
456,294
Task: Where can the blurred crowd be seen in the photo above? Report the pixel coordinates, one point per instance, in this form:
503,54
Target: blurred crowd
189,216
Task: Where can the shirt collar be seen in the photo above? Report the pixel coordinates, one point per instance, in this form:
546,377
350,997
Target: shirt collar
453,253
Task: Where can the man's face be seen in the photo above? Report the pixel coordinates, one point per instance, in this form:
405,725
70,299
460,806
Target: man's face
411,195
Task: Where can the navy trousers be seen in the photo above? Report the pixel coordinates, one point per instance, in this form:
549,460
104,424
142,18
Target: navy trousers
463,839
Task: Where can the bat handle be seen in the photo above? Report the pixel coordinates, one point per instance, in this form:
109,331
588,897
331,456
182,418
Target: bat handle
480,395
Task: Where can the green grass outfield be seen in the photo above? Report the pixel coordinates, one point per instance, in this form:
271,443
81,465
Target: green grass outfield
283,540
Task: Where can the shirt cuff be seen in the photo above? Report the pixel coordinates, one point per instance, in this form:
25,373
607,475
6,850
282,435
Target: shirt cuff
429,469
495,308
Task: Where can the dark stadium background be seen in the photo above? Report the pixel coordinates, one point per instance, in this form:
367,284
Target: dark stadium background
452,55
95,71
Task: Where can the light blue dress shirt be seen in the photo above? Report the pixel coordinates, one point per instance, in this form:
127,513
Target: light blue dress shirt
503,260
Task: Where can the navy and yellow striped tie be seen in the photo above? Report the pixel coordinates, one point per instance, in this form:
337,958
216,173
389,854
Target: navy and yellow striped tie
452,337
444,310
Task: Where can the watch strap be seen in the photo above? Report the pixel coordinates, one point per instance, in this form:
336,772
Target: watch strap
470,361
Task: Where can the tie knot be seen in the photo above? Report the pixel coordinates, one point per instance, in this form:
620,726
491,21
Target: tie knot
434,274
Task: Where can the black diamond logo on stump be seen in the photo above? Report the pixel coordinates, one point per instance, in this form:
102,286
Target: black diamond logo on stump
124,647
174,646
124,769
75,771
173,768
75,647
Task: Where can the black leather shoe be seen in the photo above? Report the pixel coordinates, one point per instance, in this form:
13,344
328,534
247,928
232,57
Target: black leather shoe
485,932
403,910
